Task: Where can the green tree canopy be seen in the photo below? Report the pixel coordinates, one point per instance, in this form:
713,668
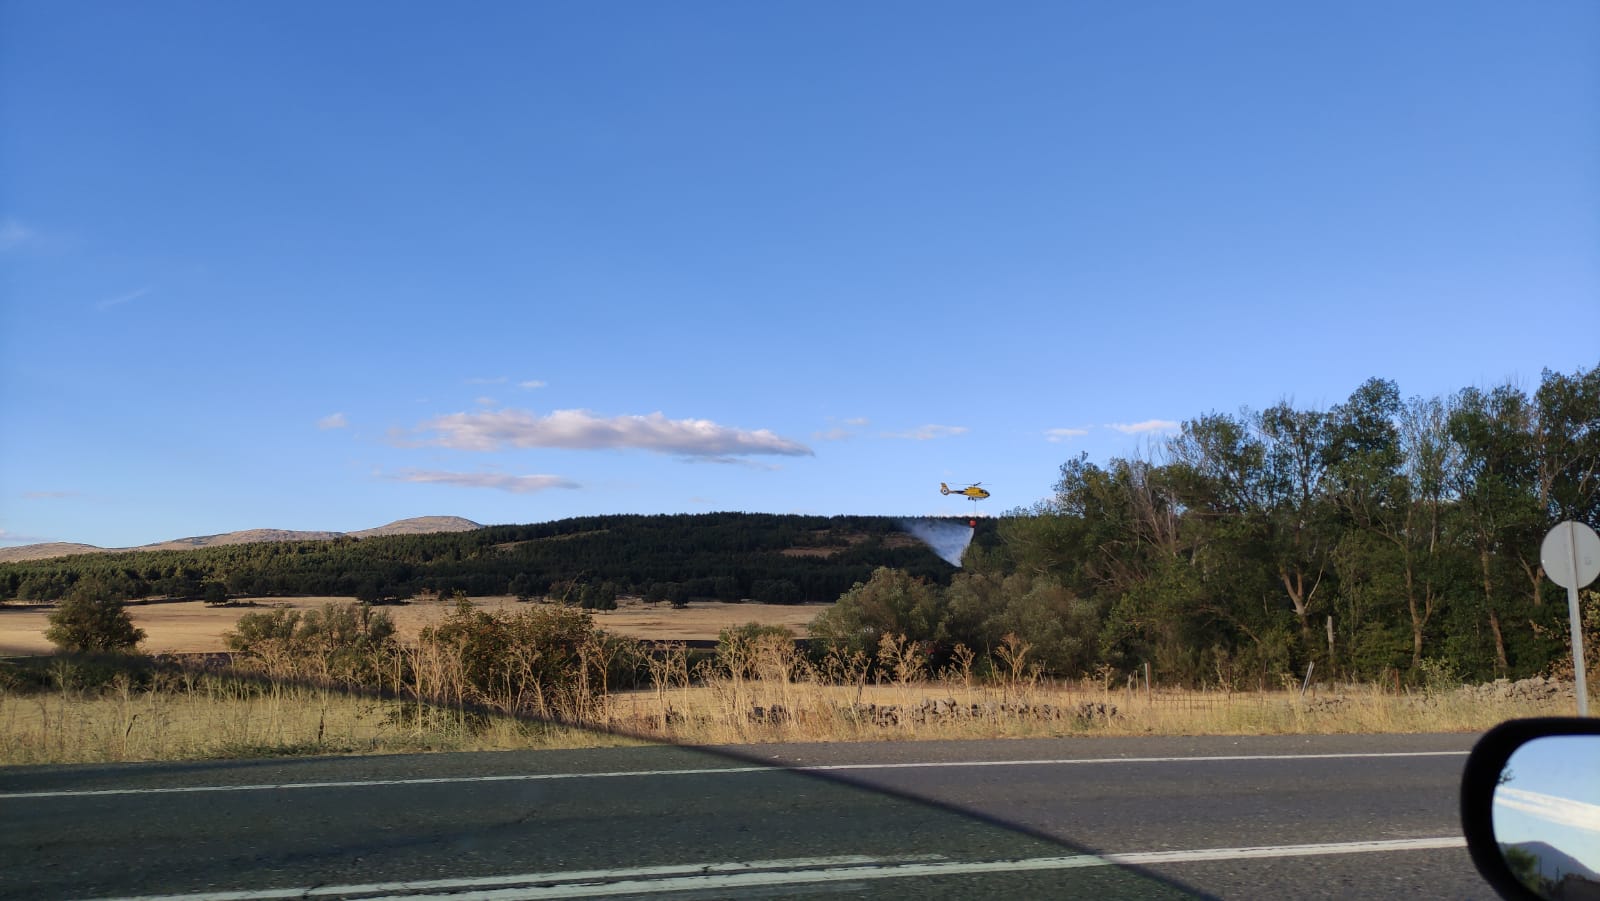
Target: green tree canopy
92,620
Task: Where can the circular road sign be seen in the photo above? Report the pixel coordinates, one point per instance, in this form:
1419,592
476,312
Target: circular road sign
1571,555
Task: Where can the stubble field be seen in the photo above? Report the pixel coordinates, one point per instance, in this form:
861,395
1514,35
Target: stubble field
190,627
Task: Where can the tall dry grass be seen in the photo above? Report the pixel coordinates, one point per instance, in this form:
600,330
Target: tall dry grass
441,696
212,717
769,693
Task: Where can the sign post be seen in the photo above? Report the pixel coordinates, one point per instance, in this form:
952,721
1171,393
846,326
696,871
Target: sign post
1570,555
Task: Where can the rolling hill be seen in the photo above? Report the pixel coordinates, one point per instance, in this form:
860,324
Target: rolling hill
418,525
722,556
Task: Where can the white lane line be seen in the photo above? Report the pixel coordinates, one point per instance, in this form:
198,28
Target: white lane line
527,879
705,771
723,877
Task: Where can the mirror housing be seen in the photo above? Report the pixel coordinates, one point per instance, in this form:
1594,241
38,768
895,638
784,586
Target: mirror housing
1486,767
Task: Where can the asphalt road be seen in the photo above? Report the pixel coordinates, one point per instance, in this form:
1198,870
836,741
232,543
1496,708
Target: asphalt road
1259,817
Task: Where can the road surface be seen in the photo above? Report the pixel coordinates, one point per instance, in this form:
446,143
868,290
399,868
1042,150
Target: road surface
1233,817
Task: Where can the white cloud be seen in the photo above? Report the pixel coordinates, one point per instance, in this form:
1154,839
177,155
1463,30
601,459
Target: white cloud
929,432
1140,428
14,234
333,421
858,421
485,401
497,480
1059,435
531,384
582,430
1556,809
492,380
110,302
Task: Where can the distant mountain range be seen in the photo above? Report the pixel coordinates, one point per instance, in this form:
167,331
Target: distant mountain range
1555,863
417,525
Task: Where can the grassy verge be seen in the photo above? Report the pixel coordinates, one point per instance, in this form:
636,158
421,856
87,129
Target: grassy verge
760,712
211,718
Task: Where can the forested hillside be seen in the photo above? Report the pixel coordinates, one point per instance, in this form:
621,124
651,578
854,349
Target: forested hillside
726,556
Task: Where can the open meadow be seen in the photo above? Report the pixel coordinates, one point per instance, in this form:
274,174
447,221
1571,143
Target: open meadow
192,627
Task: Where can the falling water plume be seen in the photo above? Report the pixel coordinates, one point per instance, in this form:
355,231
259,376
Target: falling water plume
948,539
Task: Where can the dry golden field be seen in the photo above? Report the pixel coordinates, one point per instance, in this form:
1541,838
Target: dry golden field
192,627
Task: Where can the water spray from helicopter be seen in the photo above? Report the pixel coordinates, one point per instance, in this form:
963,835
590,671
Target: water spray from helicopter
948,539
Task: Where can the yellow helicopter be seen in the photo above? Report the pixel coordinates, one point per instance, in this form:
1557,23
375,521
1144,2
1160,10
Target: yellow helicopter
972,492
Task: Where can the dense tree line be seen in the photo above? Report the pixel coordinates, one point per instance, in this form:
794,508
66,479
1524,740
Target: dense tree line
1380,538
587,560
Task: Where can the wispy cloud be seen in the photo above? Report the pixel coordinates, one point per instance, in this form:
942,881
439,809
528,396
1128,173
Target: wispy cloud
333,421
840,432
582,430
1059,435
1556,809
13,538
492,380
929,432
485,401
734,461
531,384
497,480
1140,428
121,299
14,234
48,495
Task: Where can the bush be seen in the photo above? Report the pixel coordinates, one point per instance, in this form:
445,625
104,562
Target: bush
678,595
598,597
349,642
547,661
92,621
892,602
740,643
216,594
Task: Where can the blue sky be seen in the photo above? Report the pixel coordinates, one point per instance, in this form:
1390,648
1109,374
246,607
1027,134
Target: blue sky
323,266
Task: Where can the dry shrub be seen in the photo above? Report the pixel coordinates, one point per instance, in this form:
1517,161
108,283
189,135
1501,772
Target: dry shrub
548,662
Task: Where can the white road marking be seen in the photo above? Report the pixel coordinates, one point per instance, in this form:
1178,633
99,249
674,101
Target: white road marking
723,877
704,771
525,879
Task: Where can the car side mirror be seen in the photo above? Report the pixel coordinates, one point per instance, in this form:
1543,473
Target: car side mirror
1530,808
